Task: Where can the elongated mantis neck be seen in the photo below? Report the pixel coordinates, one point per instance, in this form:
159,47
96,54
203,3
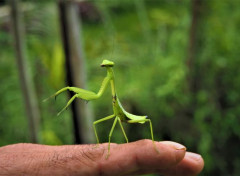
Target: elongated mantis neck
111,75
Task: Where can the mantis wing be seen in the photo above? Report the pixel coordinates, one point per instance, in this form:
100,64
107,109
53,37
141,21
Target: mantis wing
131,116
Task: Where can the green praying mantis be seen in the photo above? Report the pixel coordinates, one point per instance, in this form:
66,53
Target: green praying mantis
119,113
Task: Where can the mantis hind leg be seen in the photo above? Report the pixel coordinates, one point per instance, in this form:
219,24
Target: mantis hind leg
151,129
120,123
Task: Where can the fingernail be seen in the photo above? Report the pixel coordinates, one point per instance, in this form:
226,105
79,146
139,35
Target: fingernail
193,156
175,145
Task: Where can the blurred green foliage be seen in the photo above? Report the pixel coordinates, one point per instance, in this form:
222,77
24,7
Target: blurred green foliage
149,42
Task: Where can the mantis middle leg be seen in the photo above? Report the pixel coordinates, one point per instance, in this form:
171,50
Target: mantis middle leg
120,123
98,121
110,135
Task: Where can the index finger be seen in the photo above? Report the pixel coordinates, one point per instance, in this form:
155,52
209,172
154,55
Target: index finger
141,157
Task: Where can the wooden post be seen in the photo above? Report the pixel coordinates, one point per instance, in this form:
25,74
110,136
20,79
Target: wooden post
196,14
24,74
75,66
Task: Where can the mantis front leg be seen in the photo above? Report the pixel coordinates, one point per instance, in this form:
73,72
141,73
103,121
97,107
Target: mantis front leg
82,93
68,103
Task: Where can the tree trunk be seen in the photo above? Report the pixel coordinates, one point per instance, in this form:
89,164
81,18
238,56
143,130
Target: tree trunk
75,66
24,74
193,44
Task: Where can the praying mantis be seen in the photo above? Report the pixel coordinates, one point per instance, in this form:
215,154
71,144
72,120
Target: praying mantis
119,113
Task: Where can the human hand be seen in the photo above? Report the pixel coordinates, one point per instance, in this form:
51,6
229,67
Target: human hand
135,158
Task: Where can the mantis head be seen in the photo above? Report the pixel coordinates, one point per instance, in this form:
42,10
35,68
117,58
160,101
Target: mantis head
107,63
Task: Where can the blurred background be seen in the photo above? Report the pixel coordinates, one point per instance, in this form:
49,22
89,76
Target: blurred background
176,61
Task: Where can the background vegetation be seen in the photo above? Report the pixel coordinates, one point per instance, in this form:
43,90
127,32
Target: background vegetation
176,61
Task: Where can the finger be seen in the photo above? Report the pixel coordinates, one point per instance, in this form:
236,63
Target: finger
126,159
140,158
192,164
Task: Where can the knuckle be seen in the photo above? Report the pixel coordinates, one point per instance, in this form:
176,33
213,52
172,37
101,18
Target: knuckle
92,154
145,142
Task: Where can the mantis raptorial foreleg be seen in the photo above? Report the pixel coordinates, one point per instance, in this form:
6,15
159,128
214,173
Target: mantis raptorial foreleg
82,93
68,103
56,94
79,93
